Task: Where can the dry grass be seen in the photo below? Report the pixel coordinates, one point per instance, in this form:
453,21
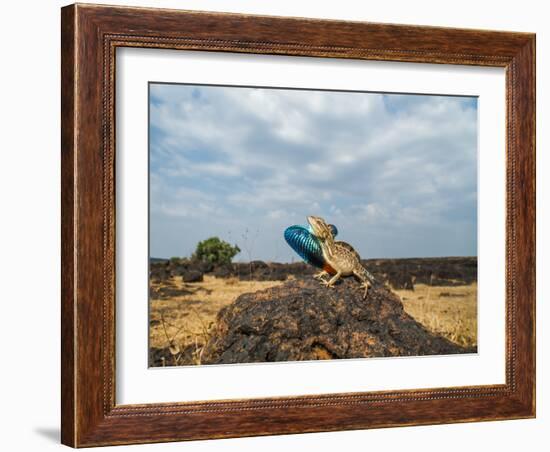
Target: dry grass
184,320
449,311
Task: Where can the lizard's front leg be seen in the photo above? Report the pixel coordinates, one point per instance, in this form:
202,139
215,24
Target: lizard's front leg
320,276
330,283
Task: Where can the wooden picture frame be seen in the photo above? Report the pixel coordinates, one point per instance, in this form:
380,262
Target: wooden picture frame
90,36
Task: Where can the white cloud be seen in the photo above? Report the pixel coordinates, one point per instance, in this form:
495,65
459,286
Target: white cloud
269,157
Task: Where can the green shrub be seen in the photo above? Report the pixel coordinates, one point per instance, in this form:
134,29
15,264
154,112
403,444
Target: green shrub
215,251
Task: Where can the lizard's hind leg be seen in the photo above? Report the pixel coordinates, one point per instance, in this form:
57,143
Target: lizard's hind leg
364,282
366,285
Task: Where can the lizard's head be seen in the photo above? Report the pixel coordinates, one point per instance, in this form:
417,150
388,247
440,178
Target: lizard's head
320,228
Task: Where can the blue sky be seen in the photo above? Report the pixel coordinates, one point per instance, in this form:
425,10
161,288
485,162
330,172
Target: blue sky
396,173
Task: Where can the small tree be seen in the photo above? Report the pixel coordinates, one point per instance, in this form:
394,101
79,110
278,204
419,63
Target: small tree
215,251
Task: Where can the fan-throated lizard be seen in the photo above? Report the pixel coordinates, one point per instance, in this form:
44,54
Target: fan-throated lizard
319,248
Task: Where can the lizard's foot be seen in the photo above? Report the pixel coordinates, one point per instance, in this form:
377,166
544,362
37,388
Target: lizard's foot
320,275
331,281
366,285
327,283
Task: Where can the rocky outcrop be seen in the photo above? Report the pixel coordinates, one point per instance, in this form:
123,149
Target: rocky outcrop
190,276
436,271
398,273
303,320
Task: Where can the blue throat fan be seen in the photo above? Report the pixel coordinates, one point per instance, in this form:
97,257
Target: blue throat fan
306,245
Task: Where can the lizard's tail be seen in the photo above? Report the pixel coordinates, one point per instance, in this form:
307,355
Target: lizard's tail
365,274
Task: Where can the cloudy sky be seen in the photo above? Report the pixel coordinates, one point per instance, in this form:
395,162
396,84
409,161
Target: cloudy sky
397,174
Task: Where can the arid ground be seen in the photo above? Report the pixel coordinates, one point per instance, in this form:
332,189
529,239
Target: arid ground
183,314
183,321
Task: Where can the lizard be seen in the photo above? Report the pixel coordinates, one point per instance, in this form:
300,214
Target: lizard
318,247
340,256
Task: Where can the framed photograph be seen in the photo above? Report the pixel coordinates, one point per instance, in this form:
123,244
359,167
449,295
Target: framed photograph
282,225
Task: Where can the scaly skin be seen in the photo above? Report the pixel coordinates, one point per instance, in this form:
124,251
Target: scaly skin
339,256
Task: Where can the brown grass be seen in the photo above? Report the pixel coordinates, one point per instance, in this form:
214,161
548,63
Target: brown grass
449,311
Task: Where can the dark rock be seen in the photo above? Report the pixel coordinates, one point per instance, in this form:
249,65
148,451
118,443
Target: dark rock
223,271
302,320
159,273
399,273
192,276
300,269
401,280
445,271
179,266
243,270
179,270
175,261
201,266
280,275
272,271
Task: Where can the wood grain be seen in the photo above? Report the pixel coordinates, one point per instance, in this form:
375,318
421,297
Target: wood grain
90,36
68,298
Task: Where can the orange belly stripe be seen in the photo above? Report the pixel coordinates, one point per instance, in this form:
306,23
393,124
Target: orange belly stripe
329,269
